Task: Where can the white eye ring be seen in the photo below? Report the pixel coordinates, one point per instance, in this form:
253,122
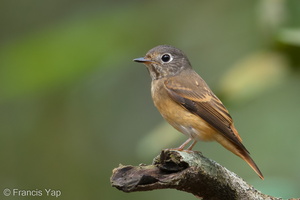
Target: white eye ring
166,58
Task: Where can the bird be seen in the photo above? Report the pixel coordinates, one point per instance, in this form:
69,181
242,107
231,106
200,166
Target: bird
187,103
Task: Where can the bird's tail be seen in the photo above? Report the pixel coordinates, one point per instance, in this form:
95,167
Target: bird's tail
246,157
239,149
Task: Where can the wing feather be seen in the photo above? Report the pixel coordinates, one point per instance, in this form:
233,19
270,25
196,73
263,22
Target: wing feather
195,96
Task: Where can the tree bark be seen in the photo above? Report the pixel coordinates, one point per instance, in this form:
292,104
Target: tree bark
187,171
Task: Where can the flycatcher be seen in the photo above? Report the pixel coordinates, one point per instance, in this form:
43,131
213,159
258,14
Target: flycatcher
187,103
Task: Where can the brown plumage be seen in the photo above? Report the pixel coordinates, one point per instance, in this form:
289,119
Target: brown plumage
187,103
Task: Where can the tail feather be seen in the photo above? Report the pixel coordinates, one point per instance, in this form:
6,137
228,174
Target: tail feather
246,157
240,150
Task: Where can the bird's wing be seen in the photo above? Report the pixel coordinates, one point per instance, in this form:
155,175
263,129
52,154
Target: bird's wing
193,94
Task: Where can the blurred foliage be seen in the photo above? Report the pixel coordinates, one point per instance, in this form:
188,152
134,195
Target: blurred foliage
74,105
268,69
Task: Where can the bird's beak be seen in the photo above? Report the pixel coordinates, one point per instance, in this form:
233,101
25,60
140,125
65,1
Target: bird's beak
142,60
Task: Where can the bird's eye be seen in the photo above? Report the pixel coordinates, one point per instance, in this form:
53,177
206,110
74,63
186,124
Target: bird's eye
166,58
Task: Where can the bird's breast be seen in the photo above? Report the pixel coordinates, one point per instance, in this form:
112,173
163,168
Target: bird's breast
180,118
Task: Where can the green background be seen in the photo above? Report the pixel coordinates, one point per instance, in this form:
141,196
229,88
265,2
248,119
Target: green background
73,104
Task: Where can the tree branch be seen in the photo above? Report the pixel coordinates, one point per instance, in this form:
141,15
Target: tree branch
187,171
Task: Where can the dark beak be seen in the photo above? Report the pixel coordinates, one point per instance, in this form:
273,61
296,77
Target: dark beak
141,60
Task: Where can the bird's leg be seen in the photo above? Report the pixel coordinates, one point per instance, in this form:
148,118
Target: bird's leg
181,147
192,145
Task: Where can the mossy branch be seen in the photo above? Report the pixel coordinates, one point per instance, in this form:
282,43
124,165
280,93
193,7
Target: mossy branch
187,171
